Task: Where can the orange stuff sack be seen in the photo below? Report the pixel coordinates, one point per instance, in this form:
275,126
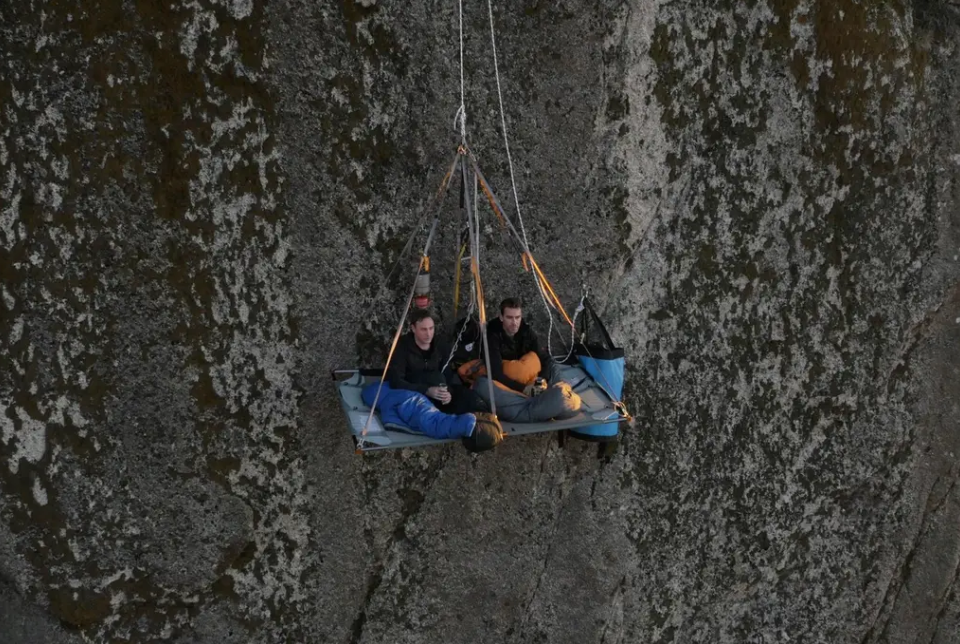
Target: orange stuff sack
524,370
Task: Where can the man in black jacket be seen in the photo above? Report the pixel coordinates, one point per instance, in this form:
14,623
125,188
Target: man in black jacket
510,338
418,364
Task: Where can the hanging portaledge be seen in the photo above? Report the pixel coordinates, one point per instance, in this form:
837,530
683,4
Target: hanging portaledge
605,363
597,411
593,370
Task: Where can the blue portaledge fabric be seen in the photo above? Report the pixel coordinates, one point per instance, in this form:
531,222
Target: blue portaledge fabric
608,374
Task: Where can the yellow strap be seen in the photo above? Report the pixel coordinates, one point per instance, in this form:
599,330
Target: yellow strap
475,269
456,282
493,203
549,289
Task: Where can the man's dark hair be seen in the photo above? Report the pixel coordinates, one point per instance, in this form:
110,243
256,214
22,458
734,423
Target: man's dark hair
419,315
510,303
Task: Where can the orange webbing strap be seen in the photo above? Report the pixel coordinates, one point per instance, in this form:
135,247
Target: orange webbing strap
473,227
424,259
548,289
456,281
447,177
386,367
434,204
493,202
475,270
478,284
497,208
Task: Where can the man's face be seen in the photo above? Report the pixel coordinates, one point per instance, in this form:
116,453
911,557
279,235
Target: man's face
423,331
511,320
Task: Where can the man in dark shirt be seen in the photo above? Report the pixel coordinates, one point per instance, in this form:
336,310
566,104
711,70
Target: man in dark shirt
510,338
418,364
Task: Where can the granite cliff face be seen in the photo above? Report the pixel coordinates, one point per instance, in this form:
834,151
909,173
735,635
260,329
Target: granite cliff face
198,205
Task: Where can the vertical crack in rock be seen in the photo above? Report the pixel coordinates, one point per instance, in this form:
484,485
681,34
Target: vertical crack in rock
615,630
899,580
903,589
549,539
915,334
373,583
950,591
389,568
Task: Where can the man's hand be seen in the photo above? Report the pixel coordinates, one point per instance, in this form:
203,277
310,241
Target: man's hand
440,394
535,388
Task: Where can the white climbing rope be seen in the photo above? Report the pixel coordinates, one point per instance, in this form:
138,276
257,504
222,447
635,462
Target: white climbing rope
513,182
461,115
573,332
503,123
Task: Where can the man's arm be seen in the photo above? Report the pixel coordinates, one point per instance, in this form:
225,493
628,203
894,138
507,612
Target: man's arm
496,365
397,372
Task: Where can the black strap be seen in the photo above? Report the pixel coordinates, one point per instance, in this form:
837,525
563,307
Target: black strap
596,318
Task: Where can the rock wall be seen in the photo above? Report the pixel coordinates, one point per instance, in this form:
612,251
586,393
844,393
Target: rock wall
149,418
199,204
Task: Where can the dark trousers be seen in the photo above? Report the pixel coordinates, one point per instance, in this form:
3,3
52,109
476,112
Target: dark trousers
463,400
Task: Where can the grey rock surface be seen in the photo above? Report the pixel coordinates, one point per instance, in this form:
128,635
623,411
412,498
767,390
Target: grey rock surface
199,203
26,623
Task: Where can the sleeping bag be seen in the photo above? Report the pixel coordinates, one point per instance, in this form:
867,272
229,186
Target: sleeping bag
413,412
559,401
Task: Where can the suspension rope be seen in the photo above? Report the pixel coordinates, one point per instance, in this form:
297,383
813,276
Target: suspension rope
456,281
526,255
503,123
474,227
573,333
513,182
461,114
471,309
